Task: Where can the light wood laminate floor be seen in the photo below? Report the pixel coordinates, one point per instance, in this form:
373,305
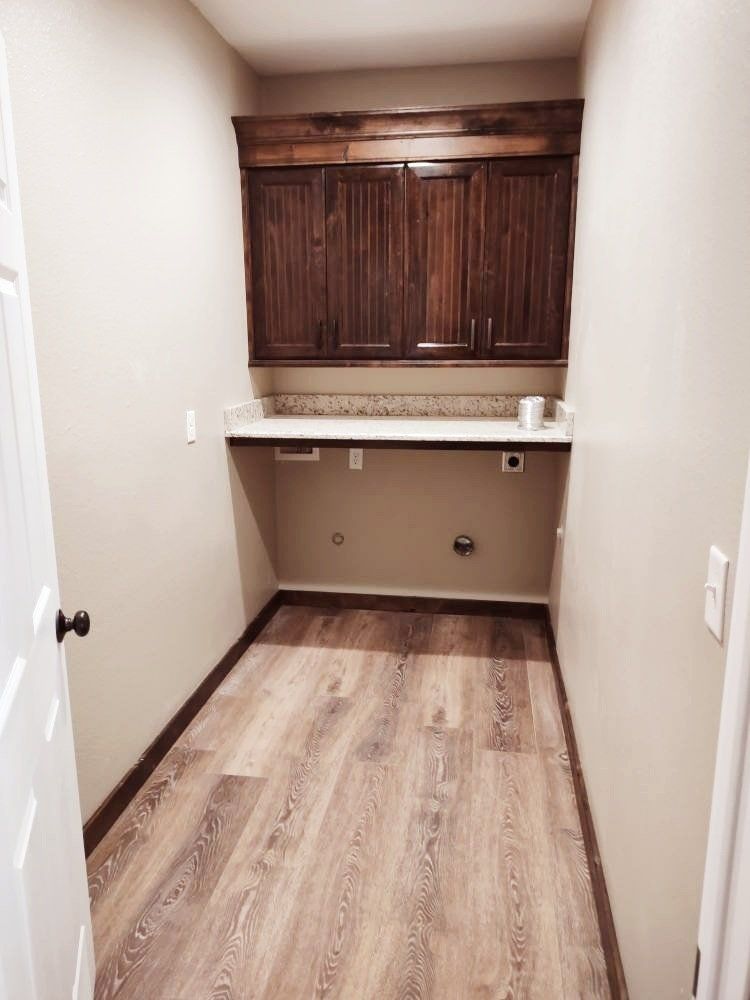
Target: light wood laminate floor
373,806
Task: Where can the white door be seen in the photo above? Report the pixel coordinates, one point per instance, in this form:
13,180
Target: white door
45,932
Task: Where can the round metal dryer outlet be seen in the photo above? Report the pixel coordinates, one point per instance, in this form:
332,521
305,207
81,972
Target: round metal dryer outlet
463,545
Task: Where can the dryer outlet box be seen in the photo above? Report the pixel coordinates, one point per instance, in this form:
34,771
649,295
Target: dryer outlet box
513,461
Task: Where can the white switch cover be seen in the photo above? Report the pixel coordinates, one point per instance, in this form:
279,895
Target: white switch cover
716,591
190,426
356,459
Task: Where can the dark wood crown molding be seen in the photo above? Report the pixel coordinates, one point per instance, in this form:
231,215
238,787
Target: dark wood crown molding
533,128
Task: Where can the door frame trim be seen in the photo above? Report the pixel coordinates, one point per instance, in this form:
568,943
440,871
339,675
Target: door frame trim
731,789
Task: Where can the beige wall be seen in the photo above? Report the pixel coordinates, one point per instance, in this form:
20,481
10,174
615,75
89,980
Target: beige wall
658,375
453,381
360,90
130,195
401,514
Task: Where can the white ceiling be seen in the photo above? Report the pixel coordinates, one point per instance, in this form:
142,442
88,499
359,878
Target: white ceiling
288,36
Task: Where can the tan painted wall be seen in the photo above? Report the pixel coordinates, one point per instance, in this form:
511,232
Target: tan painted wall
658,375
360,90
455,381
401,514
130,195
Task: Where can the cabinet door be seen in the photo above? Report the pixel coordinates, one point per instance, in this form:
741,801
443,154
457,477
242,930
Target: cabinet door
526,254
365,235
287,252
444,242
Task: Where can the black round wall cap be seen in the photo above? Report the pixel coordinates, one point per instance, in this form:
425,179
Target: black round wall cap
463,545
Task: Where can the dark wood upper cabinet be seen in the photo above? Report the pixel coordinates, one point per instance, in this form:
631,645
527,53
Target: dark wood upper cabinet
434,236
444,241
365,239
287,250
526,256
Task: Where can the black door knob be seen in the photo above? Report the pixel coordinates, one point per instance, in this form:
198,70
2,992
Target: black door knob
80,623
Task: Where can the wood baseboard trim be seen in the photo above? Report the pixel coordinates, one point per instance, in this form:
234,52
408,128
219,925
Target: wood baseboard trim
615,973
421,605
117,801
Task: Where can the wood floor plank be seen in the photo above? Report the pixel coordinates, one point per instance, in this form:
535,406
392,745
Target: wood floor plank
374,805
250,899
283,634
110,859
423,881
458,647
375,960
274,714
503,705
516,950
545,707
131,858
254,901
408,936
143,960
397,685
259,710
584,967
445,828
582,958
313,956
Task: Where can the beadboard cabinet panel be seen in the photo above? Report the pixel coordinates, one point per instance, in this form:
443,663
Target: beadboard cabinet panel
444,244
381,250
287,251
365,238
526,256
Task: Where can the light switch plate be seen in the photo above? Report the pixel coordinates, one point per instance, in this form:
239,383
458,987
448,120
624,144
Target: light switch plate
716,591
190,426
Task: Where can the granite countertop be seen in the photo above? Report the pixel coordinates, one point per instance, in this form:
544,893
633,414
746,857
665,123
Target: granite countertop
486,430
258,422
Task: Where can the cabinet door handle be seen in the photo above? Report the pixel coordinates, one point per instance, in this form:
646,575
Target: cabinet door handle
472,334
335,330
489,333
321,332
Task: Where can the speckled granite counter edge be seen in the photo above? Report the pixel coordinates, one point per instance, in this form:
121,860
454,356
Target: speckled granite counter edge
459,430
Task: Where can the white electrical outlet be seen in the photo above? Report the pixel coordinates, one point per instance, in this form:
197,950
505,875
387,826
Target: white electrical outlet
190,426
356,459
